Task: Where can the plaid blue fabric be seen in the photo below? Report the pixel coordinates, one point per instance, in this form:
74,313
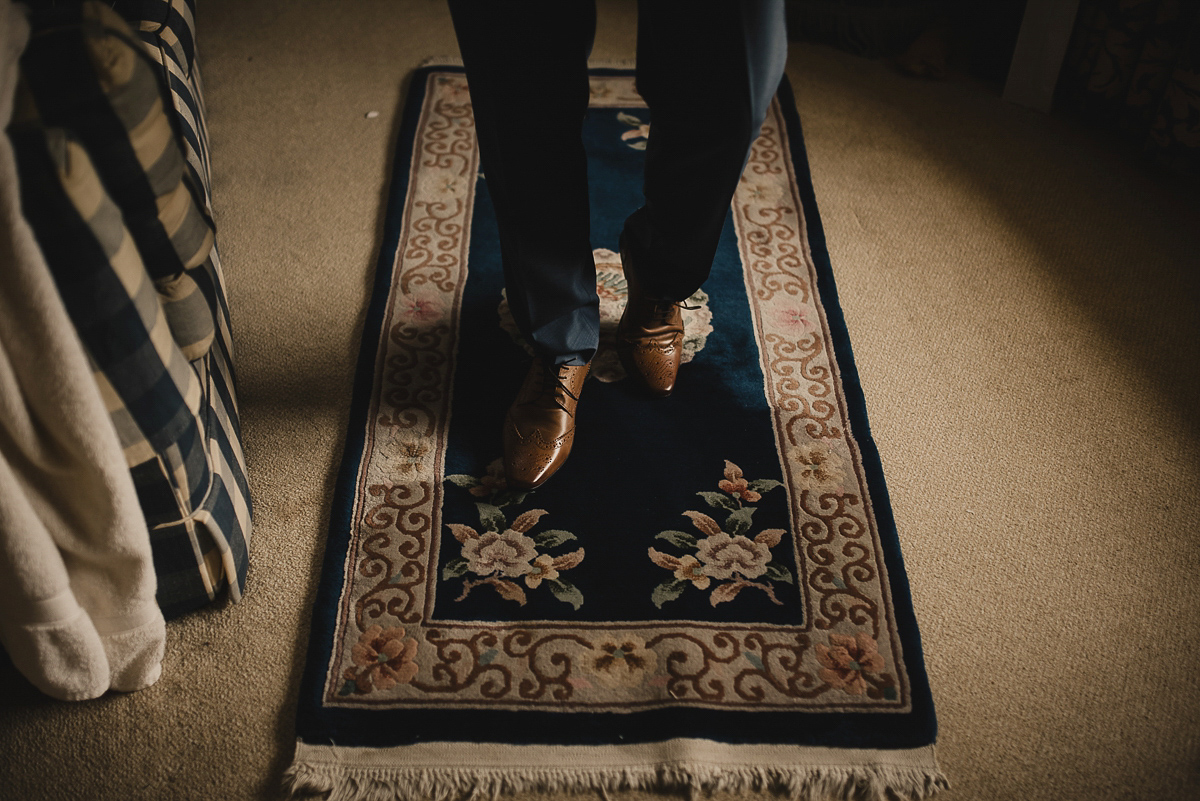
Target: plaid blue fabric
167,29
114,167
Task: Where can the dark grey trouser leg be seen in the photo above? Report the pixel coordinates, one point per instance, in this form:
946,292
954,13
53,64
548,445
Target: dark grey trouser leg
526,63
708,72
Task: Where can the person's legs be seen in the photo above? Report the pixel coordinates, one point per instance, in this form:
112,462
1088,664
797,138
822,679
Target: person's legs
708,73
526,63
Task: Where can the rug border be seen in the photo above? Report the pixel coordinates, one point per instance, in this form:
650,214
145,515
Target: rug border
856,409
330,587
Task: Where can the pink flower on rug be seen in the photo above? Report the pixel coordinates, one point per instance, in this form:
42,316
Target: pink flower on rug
820,467
407,452
794,318
736,485
690,569
624,662
846,660
762,194
548,568
508,553
724,555
420,310
387,659
542,570
686,568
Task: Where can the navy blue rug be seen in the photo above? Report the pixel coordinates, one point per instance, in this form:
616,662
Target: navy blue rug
710,594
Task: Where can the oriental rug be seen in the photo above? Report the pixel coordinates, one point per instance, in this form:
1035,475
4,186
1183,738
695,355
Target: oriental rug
709,595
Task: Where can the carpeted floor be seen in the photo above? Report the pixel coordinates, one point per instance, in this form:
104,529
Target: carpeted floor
1023,303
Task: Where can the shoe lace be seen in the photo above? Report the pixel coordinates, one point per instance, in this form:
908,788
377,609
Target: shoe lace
552,387
661,310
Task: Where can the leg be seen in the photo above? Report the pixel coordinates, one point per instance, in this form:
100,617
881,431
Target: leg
527,71
526,64
708,74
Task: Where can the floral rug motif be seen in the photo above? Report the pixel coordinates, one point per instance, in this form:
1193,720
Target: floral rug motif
710,594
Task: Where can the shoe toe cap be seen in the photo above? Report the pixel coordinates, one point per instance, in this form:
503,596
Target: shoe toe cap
532,457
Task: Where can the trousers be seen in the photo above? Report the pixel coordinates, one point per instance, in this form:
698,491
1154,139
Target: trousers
707,71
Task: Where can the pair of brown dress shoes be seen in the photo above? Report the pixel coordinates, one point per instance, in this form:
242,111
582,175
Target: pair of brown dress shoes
540,427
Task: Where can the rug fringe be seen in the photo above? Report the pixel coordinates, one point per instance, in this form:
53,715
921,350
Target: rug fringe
863,783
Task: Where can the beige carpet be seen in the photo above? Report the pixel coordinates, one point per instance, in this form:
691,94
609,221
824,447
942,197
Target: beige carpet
1023,302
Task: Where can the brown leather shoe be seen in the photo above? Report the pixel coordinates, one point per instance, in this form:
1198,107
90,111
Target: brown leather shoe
540,427
650,338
